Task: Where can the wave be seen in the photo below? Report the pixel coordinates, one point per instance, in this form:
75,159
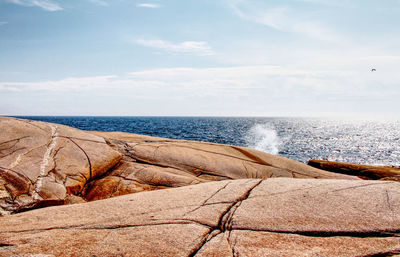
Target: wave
263,137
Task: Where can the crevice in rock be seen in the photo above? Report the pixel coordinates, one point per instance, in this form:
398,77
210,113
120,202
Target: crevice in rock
83,192
232,245
143,183
365,185
122,147
251,156
191,221
214,175
13,151
216,203
3,170
81,139
6,245
205,201
288,191
137,225
225,219
205,239
216,153
296,172
147,163
177,208
73,177
119,226
29,122
15,139
201,171
19,158
87,156
37,205
358,234
43,166
105,174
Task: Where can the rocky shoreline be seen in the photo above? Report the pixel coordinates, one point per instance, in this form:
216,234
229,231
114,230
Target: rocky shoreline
166,197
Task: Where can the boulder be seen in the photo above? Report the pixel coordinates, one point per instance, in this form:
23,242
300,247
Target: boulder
162,163
245,217
42,163
362,171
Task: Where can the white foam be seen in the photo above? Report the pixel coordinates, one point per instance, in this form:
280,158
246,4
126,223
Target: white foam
263,137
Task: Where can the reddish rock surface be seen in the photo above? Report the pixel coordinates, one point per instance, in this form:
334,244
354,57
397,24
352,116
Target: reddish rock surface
44,164
161,163
236,213
363,171
247,217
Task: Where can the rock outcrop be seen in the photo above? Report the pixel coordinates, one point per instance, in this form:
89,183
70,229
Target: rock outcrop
247,217
151,163
44,164
251,204
362,171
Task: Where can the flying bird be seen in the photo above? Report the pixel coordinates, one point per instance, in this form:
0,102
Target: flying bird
372,70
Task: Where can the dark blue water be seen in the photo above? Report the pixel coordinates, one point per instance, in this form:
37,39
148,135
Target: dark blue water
360,141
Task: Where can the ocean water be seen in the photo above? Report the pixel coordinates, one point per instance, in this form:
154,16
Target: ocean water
302,139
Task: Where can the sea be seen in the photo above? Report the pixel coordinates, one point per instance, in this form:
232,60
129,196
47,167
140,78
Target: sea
374,142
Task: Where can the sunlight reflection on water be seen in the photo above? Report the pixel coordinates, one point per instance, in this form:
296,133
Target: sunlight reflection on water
368,142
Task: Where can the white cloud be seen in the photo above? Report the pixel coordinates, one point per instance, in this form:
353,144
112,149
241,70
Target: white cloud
317,31
190,47
147,5
99,2
44,4
272,80
336,3
381,58
244,90
283,18
274,17
63,85
3,23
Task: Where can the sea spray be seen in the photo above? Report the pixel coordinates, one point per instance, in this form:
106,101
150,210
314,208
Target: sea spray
263,137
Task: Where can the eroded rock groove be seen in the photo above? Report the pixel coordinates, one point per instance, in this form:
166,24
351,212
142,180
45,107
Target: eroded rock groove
225,219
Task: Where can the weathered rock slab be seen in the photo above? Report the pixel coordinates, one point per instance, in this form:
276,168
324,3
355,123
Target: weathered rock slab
161,163
247,217
41,163
354,169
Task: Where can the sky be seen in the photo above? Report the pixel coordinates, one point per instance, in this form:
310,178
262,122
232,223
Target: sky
200,57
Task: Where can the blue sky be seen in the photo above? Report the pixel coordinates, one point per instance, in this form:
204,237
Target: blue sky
200,57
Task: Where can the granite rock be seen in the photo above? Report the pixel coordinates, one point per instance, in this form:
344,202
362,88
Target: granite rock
162,163
360,170
41,163
44,164
245,217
